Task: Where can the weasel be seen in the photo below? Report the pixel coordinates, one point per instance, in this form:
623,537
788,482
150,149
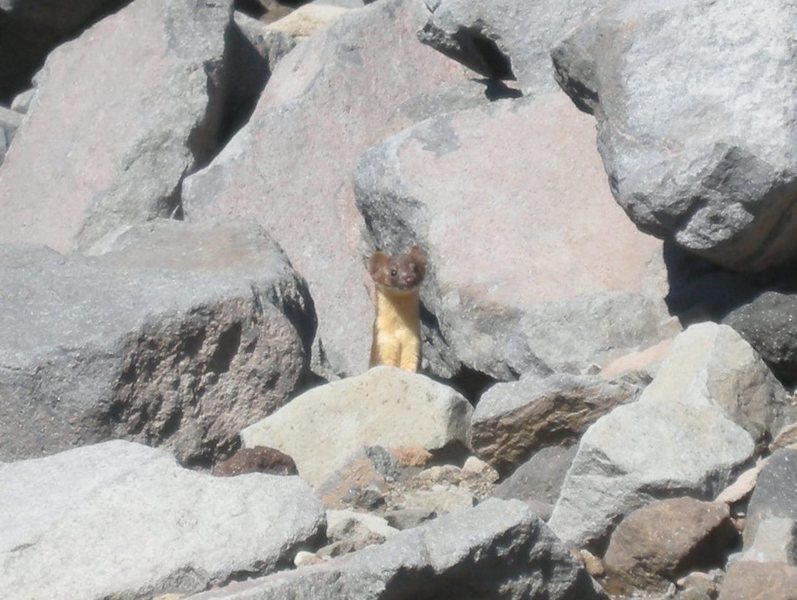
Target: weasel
397,326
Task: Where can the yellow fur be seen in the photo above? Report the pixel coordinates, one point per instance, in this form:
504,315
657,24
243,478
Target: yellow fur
397,329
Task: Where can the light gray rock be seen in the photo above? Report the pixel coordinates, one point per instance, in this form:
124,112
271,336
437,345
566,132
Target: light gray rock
775,540
513,420
693,107
289,168
346,524
775,493
538,481
125,521
690,433
385,406
496,550
86,163
505,38
179,336
271,45
520,263
22,101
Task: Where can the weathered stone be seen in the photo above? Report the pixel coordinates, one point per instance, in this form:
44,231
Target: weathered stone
271,45
538,481
785,438
775,492
759,581
120,520
665,540
22,101
308,19
84,164
699,586
775,540
505,38
385,406
693,121
179,336
256,460
743,487
769,324
500,315
290,166
514,420
691,432
346,524
365,468
496,550
439,499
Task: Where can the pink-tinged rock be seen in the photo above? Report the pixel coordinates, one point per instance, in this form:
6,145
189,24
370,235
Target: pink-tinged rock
667,539
289,168
531,257
121,114
760,581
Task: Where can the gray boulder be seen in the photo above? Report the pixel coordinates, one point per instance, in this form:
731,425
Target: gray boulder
689,433
496,550
693,109
385,406
505,38
120,520
513,420
774,497
520,263
87,161
335,95
178,336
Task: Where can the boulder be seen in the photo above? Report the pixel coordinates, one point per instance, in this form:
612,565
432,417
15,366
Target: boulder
89,160
178,336
538,481
690,433
520,263
498,549
289,168
385,406
694,125
775,493
514,420
759,581
775,540
768,324
504,38
308,19
121,520
658,543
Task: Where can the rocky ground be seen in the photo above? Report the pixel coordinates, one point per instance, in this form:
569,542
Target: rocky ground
607,193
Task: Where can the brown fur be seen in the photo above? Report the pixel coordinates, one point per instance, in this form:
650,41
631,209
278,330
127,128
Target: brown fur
397,326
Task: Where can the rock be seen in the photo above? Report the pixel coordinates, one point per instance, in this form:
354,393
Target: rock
308,19
384,406
775,540
29,30
744,485
699,586
271,44
9,122
256,460
759,581
125,521
289,168
774,494
343,524
367,467
697,153
665,540
690,433
497,549
538,481
85,164
785,438
505,38
478,468
407,518
499,315
514,420
439,499
22,101
178,336
768,324
646,361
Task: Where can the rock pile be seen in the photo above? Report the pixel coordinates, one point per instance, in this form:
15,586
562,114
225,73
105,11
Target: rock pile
189,192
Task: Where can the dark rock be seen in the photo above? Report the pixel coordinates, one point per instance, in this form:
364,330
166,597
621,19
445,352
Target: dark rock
775,493
256,460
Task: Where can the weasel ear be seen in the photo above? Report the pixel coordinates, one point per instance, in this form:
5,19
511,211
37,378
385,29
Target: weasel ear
376,262
418,256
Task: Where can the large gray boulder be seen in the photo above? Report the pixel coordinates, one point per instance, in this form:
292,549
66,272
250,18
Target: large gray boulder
693,102
332,97
89,159
520,261
689,433
505,38
385,406
496,550
179,336
121,520
774,498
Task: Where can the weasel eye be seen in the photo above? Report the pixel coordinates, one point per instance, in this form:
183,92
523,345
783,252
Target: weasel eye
393,272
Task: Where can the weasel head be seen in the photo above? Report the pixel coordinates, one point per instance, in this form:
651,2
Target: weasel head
398,273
